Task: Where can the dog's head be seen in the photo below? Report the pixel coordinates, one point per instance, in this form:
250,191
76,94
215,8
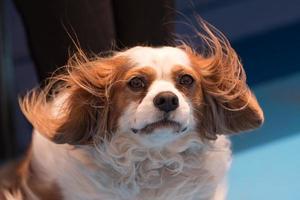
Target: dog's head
156,94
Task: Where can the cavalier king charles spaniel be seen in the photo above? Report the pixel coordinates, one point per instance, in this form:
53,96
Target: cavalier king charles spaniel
141,124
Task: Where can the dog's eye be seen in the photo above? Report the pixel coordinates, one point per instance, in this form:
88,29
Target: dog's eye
137,83
186,80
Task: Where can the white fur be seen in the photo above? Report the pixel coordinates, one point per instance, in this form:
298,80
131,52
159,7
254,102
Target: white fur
124,169
162,59
183,114
15,195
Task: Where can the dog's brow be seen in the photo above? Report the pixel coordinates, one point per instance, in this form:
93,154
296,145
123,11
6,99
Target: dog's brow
148,71
178,69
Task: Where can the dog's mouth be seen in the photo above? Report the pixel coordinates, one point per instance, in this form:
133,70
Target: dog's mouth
161,124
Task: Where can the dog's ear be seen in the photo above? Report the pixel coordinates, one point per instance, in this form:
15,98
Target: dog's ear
73,106
229,106
229,116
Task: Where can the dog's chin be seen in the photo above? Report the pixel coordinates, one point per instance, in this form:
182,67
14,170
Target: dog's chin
161,126
160,133
159,137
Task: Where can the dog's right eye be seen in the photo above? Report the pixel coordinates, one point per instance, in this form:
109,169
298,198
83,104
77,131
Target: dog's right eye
137,83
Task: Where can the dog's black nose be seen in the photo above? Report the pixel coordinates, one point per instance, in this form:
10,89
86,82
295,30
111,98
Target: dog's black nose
166,101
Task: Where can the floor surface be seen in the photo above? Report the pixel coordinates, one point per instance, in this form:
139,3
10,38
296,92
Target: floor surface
266,162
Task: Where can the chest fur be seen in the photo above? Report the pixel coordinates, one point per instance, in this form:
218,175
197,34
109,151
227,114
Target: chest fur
122,171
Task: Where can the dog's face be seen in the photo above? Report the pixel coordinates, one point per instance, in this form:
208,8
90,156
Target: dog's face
155,94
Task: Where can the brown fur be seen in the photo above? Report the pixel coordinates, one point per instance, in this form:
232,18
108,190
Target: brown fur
194,93
88,85
229,105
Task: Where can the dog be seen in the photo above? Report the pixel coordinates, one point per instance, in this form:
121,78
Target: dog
146,123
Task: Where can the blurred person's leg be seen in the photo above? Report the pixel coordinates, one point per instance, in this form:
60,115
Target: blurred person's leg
48,21
97,24
143,22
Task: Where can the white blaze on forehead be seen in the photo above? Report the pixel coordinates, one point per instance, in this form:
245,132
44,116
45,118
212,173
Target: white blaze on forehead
162,59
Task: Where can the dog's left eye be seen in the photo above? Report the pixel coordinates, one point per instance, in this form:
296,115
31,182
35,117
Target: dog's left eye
186,80
137,83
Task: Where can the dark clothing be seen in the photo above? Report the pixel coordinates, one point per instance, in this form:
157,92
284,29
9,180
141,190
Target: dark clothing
98,25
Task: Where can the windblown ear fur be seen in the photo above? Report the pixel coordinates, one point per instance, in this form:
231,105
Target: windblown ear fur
72,107
229,105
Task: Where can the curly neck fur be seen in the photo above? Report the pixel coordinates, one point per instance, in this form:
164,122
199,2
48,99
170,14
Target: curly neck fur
122,169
